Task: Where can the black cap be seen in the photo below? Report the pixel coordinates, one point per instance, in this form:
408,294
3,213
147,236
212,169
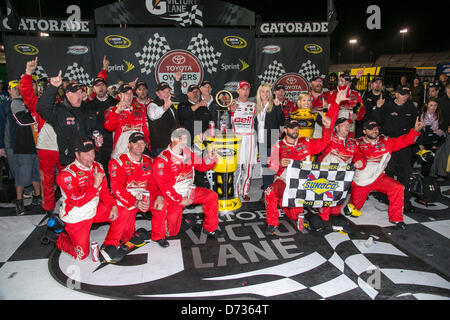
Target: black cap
316,78
124,88
369,124
340,120
376,79
141,83
136,136
279,87
403,90
433,85
204,83
74,87
291,123
192,87
98,80
161,86
84,145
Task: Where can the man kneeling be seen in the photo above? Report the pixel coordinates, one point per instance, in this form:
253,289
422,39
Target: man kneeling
132,179
174,173
86,199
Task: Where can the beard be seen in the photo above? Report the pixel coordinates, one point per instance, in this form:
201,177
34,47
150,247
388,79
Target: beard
292,135
373,136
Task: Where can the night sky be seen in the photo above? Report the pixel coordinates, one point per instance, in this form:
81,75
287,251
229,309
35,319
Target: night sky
427,22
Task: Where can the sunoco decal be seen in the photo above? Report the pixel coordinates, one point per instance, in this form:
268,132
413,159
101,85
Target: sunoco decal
26,49
117,41
313,48
235,42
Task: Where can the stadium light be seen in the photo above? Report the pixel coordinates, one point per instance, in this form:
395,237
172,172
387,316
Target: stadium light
404,30
353,41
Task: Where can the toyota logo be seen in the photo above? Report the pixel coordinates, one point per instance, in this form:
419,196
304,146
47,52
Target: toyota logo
178,59
291,80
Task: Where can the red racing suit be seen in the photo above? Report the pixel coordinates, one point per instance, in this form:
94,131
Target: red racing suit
123,125
302,149
317,103
46,145
174,175
373,178
288,107
340,150
129,179
354,105
82,205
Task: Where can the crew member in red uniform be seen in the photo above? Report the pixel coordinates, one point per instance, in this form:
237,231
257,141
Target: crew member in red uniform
46,138
280,100
142,100
377,150
86,199
353,107
173,170
131,178
290,148
342,149
319,97
124,119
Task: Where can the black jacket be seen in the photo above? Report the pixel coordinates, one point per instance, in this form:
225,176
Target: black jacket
99,107
187,117
274,120
69,123
396,120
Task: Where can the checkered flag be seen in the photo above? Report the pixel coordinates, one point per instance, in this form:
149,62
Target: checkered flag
205,52
76,72
308,70
272,72
317,184
193,17
39,72
157,46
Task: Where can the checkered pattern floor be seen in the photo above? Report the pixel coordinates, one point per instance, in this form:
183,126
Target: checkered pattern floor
393,264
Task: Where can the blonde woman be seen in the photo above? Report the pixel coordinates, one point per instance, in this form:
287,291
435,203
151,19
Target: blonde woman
269,120
304,116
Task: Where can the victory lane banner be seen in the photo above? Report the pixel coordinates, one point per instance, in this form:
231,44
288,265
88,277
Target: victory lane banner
317,184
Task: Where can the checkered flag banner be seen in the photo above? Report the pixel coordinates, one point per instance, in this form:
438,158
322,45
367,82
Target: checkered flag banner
39,72
317,184
205,52
193,17
156,47
76,72
272,72
308,70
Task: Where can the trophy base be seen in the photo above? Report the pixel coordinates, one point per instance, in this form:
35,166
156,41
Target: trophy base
229,205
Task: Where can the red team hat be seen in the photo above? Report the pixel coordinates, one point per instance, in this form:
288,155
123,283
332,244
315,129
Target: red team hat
243,84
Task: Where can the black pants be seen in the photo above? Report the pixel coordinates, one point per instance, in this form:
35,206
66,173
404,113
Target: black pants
400,168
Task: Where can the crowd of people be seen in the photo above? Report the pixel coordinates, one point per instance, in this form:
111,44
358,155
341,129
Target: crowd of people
115,153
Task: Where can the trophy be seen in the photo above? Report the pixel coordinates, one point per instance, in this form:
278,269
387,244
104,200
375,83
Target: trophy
224,100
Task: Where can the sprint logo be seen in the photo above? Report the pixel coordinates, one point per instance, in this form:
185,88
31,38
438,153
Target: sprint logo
125,67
